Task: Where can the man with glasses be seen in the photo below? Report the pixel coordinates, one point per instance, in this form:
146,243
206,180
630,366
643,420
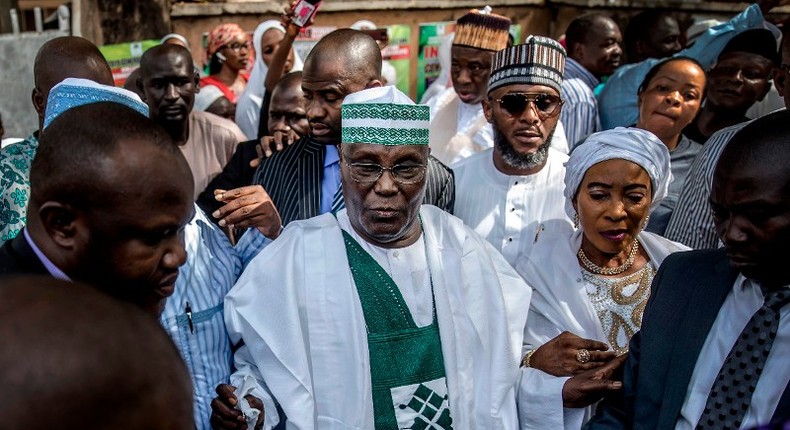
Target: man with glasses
512,194
692,221
740,78
387,314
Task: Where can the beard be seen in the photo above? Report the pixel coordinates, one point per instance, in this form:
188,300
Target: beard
517,160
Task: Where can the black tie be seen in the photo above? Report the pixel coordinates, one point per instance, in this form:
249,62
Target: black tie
732,392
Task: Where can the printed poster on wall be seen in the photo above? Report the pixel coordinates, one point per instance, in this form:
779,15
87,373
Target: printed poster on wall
428,67
398,54
125,57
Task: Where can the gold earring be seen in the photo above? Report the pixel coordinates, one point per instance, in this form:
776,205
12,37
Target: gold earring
575,220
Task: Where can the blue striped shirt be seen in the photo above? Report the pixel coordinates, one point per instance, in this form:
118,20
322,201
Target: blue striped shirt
194,316
617,103
580,112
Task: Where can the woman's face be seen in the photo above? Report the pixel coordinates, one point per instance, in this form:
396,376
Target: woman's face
237,52
269,42
671,100
612,202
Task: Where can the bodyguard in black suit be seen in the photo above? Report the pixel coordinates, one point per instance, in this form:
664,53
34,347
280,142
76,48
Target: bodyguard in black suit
714,348
343,62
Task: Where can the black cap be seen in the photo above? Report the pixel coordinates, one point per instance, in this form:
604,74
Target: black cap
755,41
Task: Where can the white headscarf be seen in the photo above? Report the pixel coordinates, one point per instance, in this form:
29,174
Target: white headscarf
627,143
248,107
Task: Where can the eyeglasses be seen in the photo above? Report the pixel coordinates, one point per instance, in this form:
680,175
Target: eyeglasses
404,174
236,46
747,74
545,105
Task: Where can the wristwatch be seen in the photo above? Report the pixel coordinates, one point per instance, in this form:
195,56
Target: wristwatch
527,356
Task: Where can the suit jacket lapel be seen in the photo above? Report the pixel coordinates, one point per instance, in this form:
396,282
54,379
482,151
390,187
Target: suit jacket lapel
309,172
782,412
703,307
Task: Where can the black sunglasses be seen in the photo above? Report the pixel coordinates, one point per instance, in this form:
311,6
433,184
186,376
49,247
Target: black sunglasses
546,105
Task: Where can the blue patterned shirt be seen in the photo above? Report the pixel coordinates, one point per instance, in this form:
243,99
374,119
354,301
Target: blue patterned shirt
580,112
15,161
617,103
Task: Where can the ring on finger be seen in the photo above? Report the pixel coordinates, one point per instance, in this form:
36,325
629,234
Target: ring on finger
583,356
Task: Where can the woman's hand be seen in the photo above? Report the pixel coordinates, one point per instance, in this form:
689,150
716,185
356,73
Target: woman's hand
559,356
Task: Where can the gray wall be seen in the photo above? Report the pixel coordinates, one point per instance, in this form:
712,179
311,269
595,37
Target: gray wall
17,52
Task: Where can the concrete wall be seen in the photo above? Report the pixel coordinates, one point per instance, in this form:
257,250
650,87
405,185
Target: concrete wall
16,80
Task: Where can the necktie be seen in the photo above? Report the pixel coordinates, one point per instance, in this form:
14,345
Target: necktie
732,391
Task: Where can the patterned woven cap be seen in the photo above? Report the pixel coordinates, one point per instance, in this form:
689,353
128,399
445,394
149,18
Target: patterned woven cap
539,60
384,116
74,92
482,30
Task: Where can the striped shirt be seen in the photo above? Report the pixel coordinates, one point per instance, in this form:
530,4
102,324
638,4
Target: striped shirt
193,316
692,221
580,111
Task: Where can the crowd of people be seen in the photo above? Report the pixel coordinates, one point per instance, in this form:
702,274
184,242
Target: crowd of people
579,233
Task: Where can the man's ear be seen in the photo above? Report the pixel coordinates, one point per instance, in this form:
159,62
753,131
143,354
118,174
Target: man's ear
62,223
140,89
487,110
197,82
780,80
764,93
374,84
39,102
578,52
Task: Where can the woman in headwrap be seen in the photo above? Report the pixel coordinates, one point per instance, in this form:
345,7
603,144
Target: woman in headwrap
266,40
590,285
228,52
669,99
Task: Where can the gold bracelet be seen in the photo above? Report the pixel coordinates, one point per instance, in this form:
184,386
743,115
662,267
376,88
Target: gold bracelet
527,356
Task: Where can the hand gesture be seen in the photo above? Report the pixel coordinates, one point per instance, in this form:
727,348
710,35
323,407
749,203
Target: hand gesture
560,356
268,145
248,206
224,414
592,385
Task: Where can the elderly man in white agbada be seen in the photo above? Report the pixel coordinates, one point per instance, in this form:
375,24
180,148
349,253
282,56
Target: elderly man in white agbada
385,315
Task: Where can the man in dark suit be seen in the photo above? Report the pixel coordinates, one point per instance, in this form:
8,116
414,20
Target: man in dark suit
304,179
715,338
107,206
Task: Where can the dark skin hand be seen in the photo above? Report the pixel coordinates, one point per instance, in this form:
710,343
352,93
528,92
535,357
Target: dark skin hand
268,145
224,413
248,206
557,357
767,5
592,385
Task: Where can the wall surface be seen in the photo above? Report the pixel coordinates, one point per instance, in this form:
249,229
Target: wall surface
16,80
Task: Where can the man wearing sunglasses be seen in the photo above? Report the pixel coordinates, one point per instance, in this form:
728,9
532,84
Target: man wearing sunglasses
388,314
512,194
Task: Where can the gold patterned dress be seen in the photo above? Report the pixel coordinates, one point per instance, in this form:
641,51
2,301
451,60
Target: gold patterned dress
619,303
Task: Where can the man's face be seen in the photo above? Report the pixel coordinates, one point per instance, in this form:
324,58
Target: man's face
662,41
781,74
470,69
600,53
132,247
384,212
287,110
169,84
325,84
524,131
738,80
751,210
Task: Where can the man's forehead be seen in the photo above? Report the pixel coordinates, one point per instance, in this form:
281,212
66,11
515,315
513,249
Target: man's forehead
384,151
469,54
167,63
524,88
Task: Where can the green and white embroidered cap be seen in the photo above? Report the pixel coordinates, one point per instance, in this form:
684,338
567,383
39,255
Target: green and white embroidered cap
384,116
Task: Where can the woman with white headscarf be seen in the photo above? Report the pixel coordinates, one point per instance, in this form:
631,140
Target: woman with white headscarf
266,39
591,285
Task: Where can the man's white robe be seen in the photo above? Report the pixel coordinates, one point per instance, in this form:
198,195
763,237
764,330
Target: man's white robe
298,312
561,303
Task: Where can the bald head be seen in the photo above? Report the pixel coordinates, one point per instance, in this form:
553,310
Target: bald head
71,165
73,358
152,57
749,199
66,57
357,53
